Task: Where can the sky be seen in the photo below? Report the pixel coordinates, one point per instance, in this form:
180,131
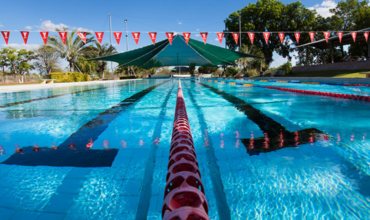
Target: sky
142,15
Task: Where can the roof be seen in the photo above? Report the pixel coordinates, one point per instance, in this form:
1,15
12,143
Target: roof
334,41
178,54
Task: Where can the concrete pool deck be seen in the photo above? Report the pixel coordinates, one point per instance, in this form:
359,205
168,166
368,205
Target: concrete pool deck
15,88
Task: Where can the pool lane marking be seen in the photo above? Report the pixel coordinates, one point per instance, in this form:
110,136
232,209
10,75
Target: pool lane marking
79,157
214,170
49,97
146,189
269,126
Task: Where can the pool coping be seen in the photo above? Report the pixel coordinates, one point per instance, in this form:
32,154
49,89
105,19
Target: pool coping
15,88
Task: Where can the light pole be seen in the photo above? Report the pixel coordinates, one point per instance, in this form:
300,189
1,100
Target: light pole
110,28
126,34
240,32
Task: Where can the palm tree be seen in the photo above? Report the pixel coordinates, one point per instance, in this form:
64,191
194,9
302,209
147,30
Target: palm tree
245,61
73,47
101,50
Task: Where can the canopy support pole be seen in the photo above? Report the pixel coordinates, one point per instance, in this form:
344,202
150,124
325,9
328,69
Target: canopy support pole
332,52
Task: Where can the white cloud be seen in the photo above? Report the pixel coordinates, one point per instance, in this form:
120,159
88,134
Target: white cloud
197,29
179,23
323,8
216,39
1,25
50,26
22,46
197,35
28,27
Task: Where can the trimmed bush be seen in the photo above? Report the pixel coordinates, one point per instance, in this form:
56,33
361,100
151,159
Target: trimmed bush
129,77
69,77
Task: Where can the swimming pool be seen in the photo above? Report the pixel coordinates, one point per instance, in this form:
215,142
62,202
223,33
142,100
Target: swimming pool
321,170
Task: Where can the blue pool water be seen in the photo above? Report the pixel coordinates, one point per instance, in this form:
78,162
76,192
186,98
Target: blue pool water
123,175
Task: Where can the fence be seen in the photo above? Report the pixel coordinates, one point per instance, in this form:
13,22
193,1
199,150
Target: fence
9,79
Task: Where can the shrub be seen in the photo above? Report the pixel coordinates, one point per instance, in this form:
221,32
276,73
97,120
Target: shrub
231,71
287,67
69,77
128,77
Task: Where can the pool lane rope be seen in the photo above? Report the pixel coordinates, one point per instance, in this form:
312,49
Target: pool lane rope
307,92
184,193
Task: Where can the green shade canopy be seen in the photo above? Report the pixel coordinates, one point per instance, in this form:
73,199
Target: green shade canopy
178,54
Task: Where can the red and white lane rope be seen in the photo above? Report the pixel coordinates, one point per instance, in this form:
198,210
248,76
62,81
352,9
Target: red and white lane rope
184,193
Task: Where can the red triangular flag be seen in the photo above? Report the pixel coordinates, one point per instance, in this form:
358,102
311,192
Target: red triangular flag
340,35
312,36
153,36
170,37
44,35
136,36
186,36
82,36
117,35
251,36
220,36
326,35
266,35
6,36
297,36
63,36
353,33
236,37
25,36
366,34
281,36
204,36
99,36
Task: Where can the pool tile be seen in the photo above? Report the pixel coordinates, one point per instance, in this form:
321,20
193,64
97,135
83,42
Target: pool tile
6,213
51,216
78,173
29,215
72,186
60,203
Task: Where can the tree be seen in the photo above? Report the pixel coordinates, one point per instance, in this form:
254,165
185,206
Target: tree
4,62
245,61
85,66
192,69
73,47
207,69
267,16
100,50
47,59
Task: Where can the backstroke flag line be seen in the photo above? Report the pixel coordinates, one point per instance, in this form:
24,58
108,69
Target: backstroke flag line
63,36
117,35
220,36
354,34
153,36
82,36
136,36
340,35
312,36
44,35
366,34
99,36
251,36
236,37
170,37
187,37
281,36
266,35
204,36
6,36
327,35
297,35
25,36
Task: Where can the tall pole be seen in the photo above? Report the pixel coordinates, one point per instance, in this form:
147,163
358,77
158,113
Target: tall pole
126,34
225,36
110,28
240,32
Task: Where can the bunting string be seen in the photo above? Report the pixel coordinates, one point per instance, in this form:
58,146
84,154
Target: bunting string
220,35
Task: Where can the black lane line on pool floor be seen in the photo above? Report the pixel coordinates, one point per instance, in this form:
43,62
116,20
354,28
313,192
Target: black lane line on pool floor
50,97
268,126
79,156
214,169
146,190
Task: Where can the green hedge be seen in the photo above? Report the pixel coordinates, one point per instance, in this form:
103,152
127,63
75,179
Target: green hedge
129,77
69,77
